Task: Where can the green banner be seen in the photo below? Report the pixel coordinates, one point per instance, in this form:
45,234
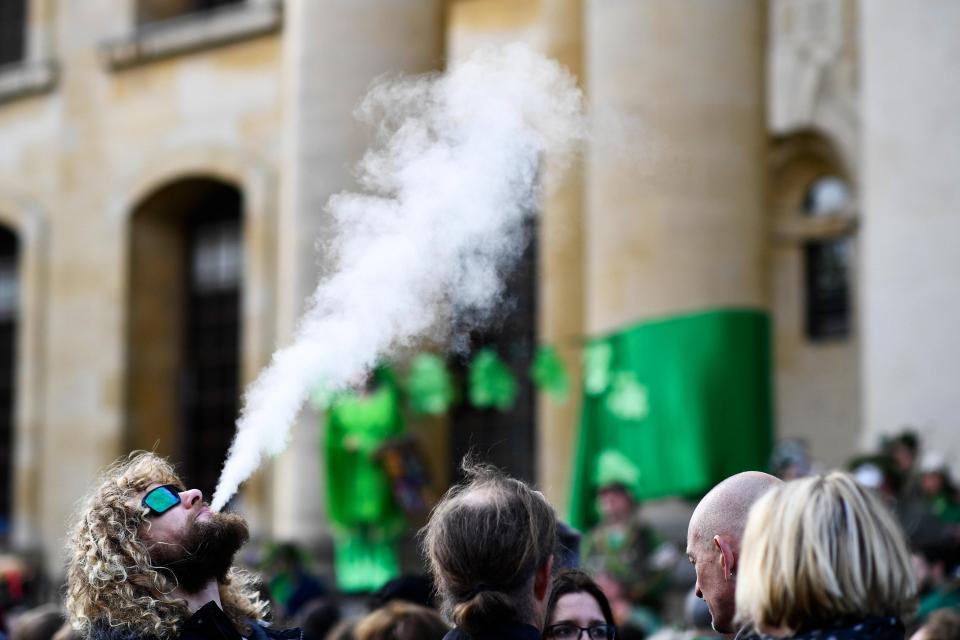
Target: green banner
687,399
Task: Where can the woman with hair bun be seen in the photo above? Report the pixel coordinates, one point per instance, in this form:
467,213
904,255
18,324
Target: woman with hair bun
822,557
490,544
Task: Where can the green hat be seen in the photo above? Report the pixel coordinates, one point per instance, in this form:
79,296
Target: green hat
614,468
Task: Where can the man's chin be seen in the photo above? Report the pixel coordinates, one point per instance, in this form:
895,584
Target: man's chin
206,552
719,625
721,628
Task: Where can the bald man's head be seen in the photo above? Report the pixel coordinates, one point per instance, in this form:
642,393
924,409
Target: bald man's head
713,540
723,511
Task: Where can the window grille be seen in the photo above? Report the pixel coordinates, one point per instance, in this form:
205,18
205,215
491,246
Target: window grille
13,27
828,263
212,359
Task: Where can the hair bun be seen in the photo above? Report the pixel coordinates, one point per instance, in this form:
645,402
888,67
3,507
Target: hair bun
475,613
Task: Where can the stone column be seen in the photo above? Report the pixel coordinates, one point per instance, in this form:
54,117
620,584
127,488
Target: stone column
560,288
910,308
333,50
83,383
674,216
554,28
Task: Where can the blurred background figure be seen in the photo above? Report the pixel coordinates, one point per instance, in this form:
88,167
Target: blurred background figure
629,558
344,630
291,584
400,620
568,549
943,625
317,618
938,488
360,499
697,622
938,582
417,589
791,459
904,449
823,557
40,623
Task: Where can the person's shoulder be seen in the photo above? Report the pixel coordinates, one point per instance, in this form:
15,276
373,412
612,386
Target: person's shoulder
264,631
104,631
747,633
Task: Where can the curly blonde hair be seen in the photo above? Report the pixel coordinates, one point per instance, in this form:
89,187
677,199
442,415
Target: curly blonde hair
111,582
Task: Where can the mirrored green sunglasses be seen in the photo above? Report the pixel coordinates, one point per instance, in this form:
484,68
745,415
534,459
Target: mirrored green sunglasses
161,499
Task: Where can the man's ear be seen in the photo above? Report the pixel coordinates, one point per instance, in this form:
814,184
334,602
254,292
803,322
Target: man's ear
541,581
728,559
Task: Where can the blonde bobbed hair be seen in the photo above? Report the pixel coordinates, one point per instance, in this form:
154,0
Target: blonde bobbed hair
820,549
112,585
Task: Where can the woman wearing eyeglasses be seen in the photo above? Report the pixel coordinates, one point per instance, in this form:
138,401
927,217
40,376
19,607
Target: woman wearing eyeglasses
577,609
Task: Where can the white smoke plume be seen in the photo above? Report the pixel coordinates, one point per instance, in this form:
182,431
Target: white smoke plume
457,165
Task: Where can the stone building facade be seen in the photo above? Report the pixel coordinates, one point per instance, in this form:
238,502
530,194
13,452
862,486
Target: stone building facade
164,160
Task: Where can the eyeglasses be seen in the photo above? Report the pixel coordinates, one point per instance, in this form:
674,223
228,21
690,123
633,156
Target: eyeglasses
162,499
567,631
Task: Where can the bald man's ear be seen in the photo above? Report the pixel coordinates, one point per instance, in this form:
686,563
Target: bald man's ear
728,559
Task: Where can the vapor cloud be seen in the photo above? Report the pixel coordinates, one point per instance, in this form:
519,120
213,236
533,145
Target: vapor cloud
457,165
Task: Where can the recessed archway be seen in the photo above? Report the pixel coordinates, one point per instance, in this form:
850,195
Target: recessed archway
184,329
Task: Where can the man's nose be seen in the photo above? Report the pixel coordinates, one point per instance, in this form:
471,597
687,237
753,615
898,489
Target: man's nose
191,498
699,593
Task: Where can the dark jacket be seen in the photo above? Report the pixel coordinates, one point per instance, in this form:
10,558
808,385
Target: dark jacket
510,631
209,622
747,632
874,628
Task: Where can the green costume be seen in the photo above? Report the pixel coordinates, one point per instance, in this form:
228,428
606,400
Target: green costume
360,500
945,508
628,554
632,553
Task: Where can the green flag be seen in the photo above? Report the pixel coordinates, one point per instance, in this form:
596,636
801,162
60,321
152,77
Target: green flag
686,399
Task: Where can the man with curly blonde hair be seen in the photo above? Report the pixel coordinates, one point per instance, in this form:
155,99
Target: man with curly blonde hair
148,560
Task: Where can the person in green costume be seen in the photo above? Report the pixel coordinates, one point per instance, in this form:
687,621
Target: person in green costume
366,519
938,488
628,558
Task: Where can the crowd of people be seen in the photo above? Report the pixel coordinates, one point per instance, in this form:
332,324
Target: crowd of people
871,552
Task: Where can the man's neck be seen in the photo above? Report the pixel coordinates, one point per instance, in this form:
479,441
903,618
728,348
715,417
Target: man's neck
210,593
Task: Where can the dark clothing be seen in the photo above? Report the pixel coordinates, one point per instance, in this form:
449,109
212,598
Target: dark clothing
874,628
629,555
747,633
510,631
209,622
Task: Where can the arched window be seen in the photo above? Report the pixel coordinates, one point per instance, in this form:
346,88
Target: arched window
152,11
828,260
13,29
186,281
212,354
9,312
